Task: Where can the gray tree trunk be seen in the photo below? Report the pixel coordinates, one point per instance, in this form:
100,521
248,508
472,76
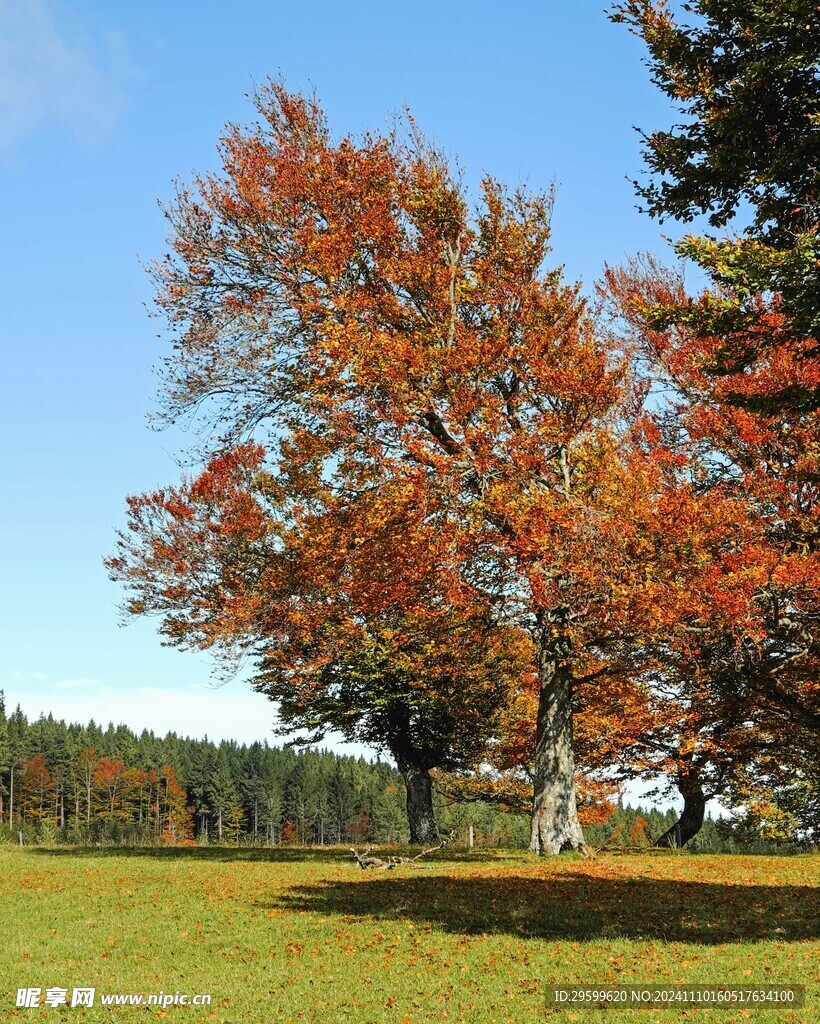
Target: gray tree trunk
420,816
555,824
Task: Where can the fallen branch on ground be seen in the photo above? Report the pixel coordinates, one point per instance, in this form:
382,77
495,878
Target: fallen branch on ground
370,862
364,861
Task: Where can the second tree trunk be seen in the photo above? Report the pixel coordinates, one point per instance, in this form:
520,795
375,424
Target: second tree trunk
692,815
420,816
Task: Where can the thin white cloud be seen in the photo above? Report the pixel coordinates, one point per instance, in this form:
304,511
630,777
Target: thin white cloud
16,677
52,78
194,710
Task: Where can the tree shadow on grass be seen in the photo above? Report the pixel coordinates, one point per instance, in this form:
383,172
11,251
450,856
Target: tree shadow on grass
278,855
573,906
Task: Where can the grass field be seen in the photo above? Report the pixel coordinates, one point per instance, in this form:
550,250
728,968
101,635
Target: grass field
295,935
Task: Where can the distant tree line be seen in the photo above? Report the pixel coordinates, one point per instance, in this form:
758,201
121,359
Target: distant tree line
88,784
85,784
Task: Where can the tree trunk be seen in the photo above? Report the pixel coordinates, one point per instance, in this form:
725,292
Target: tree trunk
415,770
420,816
691,820
555,824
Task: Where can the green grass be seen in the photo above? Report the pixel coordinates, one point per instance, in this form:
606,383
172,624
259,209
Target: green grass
307,936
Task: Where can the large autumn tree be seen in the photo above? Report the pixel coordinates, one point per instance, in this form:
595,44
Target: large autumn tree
342,300
738,361
741,661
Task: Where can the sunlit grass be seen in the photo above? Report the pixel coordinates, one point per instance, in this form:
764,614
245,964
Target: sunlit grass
307,936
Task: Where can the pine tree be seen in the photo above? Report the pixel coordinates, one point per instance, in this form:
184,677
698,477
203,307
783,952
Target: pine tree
221,790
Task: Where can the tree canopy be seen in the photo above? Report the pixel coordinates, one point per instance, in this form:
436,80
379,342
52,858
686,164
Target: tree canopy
442,488
745,78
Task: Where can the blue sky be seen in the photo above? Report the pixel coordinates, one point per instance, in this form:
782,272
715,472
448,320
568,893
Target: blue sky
101,106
